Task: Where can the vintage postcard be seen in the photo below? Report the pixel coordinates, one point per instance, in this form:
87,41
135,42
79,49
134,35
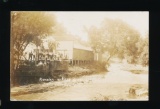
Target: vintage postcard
79,56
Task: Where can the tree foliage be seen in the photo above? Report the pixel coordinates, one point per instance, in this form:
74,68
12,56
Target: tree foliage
29,27
115,37
143,50
52,45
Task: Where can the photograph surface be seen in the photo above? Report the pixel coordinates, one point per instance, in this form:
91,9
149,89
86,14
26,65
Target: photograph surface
79,56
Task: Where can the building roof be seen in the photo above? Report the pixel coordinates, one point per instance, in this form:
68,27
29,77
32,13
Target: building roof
68,45
80,46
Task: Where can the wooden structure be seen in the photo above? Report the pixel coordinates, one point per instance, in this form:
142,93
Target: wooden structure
76,53
82,56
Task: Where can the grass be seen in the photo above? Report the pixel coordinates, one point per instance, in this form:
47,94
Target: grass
94,68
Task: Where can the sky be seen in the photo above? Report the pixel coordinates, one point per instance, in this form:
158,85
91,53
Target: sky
75,21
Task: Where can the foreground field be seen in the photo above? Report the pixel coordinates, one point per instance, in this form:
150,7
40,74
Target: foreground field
113,85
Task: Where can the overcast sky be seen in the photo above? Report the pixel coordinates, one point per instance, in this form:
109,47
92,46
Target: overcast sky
74,21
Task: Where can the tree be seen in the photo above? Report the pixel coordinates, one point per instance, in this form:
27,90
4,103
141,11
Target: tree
114,37
143,50
28,27
52,45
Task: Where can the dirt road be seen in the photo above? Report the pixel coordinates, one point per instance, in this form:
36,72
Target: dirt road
112,85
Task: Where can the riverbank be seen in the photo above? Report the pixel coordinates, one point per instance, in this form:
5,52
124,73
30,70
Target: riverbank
109,86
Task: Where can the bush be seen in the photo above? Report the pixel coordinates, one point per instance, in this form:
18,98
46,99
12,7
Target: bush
100,66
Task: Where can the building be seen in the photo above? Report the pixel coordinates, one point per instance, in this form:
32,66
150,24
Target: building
68,49
75,52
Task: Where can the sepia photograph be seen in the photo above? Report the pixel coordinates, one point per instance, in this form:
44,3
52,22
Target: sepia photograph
79,56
